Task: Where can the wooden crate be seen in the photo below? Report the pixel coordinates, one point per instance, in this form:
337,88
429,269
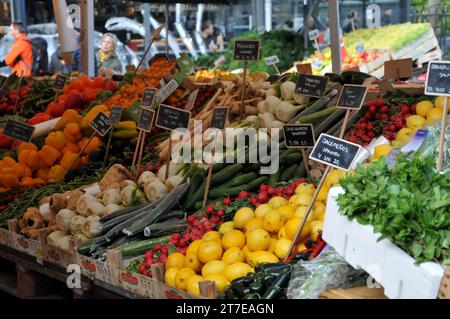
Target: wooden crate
354,293
26,245
371,66
417,48
433,55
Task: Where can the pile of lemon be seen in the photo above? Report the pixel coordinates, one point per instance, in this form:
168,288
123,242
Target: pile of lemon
261,235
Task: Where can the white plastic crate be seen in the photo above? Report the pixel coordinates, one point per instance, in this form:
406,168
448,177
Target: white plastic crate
385,262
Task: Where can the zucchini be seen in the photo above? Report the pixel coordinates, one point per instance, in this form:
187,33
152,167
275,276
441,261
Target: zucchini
318,116
292,158
198,195
196,181
230,191
219,166
329,122
274,178
243,179
226,173
166,227
142,246
166,204
171,215
315,107
300,171
257,182
288,173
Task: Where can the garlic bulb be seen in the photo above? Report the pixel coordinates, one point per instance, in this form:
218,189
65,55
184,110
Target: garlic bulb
76,223
127,183
63,219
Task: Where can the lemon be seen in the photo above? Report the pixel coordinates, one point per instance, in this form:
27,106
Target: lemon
237,270
435,115
211,235
439,102
277,201
300,212
192,286
282,247
193,247
292,227
233,255
226,227
282,233
254,223
415,122
262,256
318,211
242,216
182,277
170,276
286,211
193,262
404,135
272,246
292,200
304,188
175,260
214,267
316,229
334,177
208,251
220,280
273,221
262,209
382,150
303,200
422,108
234,238
246,252
258,239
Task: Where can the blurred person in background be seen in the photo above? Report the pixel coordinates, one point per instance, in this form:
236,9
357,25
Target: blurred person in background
208,36
76,55
20,55
107,57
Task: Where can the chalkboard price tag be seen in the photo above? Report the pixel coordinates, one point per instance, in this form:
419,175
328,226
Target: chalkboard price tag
167,90
246,50
219,118
100,124
335,152
438,78
304,68
145,121
311,85
149,97
191,100
60,81
352,97
397,69
18,130
115,115
171,118
271,60
299,135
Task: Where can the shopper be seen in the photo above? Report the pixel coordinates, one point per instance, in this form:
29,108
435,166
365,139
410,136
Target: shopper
208,36
20,56
107,57
76,55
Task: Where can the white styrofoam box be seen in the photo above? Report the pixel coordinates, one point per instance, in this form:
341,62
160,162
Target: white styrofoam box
361,157
389,265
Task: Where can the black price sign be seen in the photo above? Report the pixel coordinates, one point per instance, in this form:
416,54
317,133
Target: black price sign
311,85
335,152
171,118
145,121
18,130
60,81
100,124
219,118
246,50
352,96
149,97
438,78
299,135
115,115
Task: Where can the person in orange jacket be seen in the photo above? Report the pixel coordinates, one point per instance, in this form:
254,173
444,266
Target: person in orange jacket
20,56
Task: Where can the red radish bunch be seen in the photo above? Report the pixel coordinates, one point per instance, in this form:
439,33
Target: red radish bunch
158,254
380,119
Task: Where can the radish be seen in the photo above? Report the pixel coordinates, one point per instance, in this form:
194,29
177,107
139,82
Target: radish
270,191
262,198
263,187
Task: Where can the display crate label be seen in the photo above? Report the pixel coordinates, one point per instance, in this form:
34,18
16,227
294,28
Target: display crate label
271,60
28,246
149,97
172,293
396,69
88,266
58,256
299,135
5,237
219,118
171,118
352,97
335,152
60,81
18,130
438,78
149,287
246,50
115,115
311,85
129,281
107,272
100,124
145,121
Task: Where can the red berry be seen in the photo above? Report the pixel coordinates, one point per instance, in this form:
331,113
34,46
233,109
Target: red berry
393,127
289,191
176,236
142,268
252,201
257,204
263,187
148,254
149,262
369,126
227,201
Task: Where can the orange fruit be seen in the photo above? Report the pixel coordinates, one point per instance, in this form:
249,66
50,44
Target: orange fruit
234,238
208,251
192,262
175,260
258,239
182,277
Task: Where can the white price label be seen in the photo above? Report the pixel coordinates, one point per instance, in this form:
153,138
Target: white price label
167,90
271,60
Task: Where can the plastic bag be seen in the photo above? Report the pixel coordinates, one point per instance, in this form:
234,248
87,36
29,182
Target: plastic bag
329,270
431,143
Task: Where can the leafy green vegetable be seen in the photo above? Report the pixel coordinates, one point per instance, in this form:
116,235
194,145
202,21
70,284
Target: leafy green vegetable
409,204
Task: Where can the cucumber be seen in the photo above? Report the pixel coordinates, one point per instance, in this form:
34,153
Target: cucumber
274,178
196,181
293,158
219,166
198,195
222,192
288,173
257,182
286,153
142,246
226,173
243,179
300,171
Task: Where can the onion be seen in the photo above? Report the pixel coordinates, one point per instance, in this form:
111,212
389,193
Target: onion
57,202
261,107
126,183
270,92
111,196
174,168
63,219
80,237
64,243
95,208
155,190
72,198
76,223
127,194
300,98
